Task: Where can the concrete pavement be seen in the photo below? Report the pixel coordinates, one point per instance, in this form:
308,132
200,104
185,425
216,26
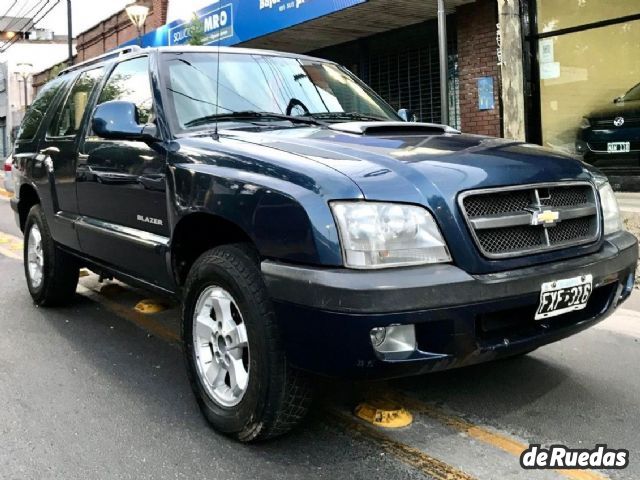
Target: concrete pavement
629,202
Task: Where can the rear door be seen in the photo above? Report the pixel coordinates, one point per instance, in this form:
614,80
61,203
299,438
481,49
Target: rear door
29,164
121,186
59,150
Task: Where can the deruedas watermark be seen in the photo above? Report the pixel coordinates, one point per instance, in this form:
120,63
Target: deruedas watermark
561,456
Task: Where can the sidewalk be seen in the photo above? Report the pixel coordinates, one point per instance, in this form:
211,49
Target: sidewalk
629,202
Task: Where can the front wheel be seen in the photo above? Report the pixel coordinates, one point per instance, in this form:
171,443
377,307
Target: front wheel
52,274
234,354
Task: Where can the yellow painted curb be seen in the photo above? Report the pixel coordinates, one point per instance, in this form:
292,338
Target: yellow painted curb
384,413
84,273
149,307
4,193
485,435
430,466
10,246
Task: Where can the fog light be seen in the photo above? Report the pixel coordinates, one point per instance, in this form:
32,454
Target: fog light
394,339
378,335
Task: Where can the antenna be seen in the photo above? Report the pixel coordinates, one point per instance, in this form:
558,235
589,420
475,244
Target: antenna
216,136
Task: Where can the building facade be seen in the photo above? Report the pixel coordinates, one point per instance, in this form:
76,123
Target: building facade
583,82
524,69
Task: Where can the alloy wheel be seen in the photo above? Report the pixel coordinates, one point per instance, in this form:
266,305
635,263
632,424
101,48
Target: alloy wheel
35,256
221,346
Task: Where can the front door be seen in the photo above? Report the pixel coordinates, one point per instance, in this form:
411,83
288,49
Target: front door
121,187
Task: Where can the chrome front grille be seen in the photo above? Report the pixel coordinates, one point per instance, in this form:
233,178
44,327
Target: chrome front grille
516,221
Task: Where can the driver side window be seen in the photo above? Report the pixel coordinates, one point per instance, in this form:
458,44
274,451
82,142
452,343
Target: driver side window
129,82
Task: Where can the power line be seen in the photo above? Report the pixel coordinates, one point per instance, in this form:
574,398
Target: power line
17,15
27,19
35,22
6,13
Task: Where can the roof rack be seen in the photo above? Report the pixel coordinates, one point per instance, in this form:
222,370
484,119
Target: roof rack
101,58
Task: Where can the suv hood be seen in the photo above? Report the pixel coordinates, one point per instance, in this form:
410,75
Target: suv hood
609,112
420,168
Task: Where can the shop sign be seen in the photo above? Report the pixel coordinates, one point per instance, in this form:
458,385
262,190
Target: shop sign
228,22
217,23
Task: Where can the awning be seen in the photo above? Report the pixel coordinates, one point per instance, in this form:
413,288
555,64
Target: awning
359,21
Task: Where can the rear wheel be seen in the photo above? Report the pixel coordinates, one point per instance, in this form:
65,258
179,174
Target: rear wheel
52,274
235,358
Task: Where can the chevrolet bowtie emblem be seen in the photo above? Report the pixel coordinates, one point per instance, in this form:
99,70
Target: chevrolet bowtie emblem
545,217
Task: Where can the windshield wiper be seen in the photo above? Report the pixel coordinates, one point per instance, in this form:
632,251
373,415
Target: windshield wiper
348,116
251,115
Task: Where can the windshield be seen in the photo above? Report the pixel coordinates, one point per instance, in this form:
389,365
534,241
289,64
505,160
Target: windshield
253,84
632,95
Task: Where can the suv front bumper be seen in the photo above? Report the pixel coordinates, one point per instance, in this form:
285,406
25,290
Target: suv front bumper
460,319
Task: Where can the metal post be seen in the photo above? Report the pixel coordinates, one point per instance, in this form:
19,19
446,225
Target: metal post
69,32
26,96
444,63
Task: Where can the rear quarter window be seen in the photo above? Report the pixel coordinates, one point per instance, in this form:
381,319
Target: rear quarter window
38,109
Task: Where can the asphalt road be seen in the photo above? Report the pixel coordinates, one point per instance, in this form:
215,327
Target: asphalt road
96,390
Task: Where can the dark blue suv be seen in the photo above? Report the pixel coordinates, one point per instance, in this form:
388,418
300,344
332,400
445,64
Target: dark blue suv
304,227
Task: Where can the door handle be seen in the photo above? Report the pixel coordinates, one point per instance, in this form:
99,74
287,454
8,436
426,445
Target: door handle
154,182
114,177
50,150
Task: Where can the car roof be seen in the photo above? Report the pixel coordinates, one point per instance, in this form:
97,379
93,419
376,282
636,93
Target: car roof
134,51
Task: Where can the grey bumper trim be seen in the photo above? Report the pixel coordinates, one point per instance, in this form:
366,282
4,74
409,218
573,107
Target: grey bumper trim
436,286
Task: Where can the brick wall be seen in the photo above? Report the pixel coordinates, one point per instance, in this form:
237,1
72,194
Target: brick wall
477,57
118,29
108,34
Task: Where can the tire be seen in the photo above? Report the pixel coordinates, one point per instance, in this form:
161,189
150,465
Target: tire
52,274
260,396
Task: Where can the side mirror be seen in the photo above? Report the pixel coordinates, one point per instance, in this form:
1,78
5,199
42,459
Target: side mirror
407,115
117,120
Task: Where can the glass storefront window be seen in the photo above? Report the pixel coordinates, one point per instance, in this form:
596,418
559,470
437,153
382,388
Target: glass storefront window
558,14
584,77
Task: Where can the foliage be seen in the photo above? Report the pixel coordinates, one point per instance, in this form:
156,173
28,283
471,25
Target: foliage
196,31
55,70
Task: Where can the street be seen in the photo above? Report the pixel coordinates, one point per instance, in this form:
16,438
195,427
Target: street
99,390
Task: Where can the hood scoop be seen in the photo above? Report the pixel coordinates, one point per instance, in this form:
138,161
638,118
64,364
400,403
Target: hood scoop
393,128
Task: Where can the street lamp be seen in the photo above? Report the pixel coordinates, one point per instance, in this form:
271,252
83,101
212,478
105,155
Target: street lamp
23,70
138,15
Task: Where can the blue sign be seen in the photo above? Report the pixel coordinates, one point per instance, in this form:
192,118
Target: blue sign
217,23
229,22
486,100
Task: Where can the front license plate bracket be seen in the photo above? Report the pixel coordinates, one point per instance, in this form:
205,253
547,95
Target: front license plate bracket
563,296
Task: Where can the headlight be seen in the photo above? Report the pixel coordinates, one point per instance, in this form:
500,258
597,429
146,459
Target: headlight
610,210
585,123
378,235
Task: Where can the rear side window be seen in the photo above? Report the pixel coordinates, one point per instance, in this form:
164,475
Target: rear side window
68,120
38,110
129,82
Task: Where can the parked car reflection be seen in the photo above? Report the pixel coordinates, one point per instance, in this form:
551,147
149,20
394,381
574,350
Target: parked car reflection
609,138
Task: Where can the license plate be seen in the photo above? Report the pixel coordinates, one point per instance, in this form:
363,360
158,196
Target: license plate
618,147
564,296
